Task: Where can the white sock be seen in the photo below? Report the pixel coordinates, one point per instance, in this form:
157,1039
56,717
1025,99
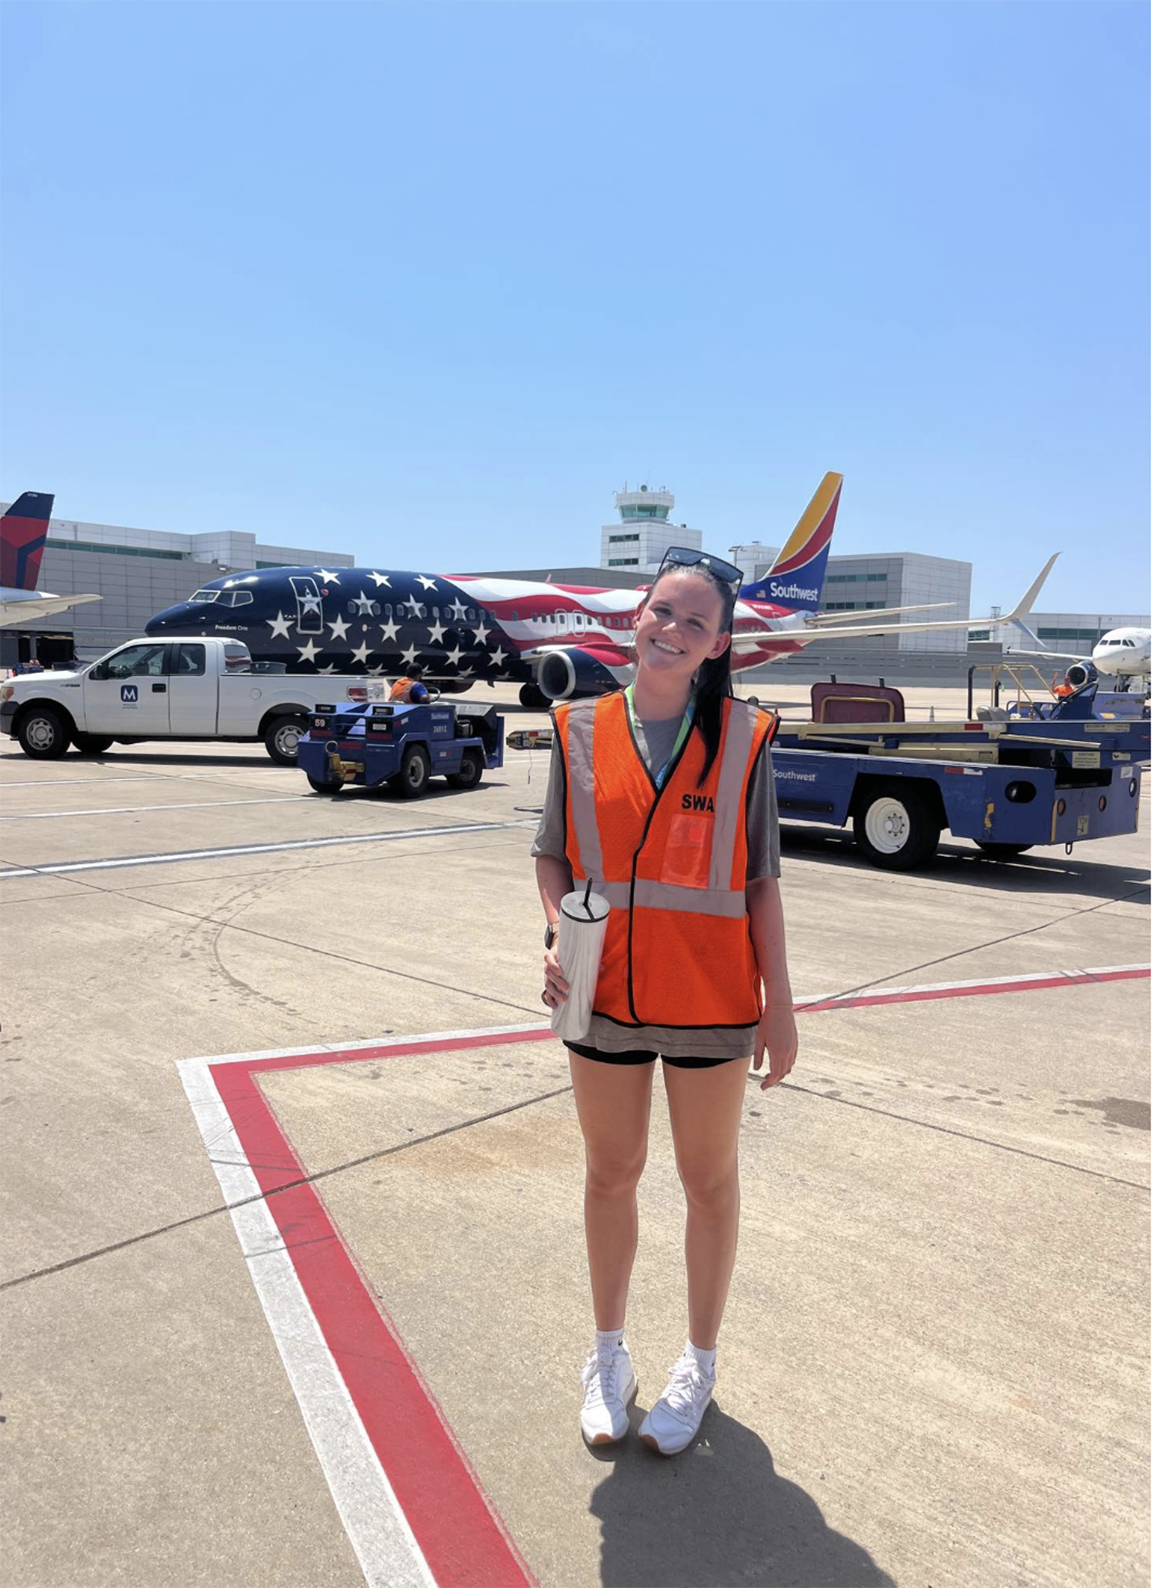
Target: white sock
706,1359
608,1339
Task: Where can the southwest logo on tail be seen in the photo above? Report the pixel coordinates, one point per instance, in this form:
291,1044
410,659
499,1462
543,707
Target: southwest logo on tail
796,579
23,531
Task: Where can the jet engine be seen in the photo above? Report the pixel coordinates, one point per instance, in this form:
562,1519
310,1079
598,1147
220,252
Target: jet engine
1079,674
574,671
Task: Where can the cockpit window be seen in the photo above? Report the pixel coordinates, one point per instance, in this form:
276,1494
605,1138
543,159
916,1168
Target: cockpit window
206,595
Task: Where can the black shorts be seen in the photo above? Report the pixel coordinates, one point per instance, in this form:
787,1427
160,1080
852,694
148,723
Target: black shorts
642,1056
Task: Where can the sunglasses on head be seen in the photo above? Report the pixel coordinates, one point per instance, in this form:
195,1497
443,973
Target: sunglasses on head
686,557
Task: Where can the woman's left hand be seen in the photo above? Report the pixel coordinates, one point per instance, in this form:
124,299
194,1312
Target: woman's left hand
776,1032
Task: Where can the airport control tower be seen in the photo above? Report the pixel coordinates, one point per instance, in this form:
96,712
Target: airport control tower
645,531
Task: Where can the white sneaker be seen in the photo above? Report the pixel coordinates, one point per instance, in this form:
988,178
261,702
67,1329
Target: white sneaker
671,1425
610,1387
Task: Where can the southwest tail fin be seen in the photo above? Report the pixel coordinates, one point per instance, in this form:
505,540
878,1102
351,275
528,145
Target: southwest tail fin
796,578
23,531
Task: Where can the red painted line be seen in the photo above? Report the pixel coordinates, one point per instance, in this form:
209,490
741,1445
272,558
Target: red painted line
980,990
463,1539
456,1526
390,1050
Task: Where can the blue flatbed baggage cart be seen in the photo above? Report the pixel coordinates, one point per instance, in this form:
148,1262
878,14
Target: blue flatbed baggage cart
401,746
1008,778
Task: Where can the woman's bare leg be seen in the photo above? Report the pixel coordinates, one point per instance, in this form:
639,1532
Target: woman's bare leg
705,1107
614,1103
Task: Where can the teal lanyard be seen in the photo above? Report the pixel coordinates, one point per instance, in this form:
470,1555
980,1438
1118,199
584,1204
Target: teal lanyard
685,729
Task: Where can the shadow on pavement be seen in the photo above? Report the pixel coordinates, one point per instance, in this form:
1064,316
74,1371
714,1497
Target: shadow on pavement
718,1515
1035,872
114,758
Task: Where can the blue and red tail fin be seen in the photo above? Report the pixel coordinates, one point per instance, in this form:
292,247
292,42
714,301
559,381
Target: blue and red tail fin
23,531
796,578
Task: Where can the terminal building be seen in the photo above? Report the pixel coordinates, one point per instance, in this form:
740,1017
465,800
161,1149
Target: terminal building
137,572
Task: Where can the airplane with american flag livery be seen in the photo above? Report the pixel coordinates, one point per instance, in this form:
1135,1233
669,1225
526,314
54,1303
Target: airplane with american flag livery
557,641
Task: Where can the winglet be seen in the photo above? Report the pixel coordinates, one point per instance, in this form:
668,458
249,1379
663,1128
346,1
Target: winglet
1025,604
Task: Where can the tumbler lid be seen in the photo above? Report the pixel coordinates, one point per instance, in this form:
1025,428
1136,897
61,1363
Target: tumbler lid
586,907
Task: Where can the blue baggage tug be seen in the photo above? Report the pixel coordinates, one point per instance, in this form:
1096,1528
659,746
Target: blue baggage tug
403,746
1058,772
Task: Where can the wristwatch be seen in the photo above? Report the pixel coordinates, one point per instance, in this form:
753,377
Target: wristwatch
550,932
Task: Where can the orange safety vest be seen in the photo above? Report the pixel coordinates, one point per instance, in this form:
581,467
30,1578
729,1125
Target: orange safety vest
671,863
401,689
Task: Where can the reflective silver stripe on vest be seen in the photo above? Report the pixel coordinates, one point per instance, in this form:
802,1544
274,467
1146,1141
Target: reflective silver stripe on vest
733,763
582,789
670,896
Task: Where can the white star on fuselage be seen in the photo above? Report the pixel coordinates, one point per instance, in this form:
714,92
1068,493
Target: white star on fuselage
389,630
326,576
498,656
309,652
458,609
410,656
413,603
454,656
362,604
331,668
381,578
482,634
360,654
279,627
429,584
339,629
311,604
436,633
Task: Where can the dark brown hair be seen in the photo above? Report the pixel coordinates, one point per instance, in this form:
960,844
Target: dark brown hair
714,676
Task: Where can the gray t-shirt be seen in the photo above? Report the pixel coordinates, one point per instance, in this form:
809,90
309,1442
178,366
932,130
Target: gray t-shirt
656,740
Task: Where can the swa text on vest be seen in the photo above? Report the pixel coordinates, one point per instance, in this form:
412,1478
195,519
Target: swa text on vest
698,802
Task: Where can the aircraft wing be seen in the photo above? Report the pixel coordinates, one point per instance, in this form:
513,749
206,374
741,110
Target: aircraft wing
822,619
40,606
753,640
597,645
1052,656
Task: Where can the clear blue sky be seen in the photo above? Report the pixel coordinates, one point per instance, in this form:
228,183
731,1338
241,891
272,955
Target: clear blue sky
428,282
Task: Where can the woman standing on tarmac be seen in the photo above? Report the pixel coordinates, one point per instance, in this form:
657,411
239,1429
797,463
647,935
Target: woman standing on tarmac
662,794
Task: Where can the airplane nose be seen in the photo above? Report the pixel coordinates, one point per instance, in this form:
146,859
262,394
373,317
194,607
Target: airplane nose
160,622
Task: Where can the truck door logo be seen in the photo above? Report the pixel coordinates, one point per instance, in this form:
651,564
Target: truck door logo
129,694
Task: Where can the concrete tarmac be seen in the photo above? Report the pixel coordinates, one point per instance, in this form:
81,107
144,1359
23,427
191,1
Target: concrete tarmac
932,1367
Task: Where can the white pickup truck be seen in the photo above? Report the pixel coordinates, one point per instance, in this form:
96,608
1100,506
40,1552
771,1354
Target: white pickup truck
167,689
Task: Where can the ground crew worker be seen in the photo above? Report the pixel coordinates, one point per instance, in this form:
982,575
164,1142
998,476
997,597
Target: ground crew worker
409,688
662,795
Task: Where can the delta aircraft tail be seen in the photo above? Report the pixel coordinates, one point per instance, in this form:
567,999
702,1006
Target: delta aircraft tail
796,579
23,532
